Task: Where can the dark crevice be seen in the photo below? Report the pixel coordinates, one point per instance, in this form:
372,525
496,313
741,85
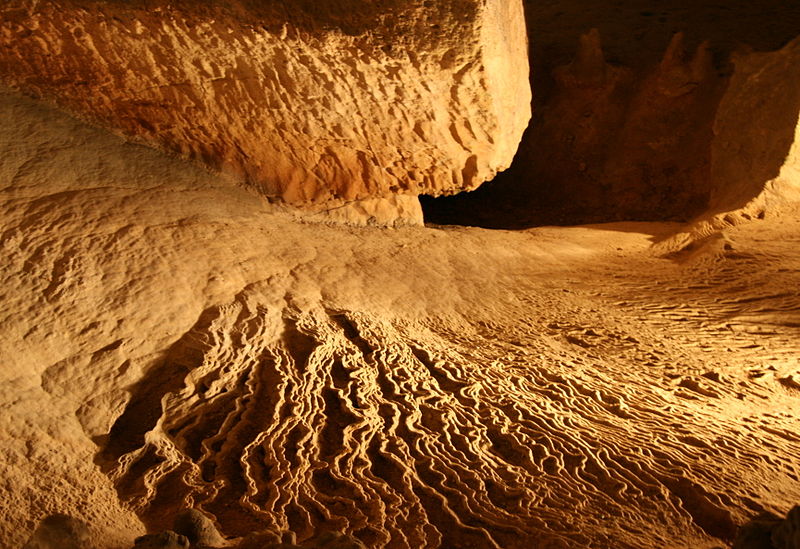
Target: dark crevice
145,408
586,156
299,344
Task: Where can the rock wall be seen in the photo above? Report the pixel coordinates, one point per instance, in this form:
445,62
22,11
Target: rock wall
755,161
622,145
681,140
168,341
646,144
318,104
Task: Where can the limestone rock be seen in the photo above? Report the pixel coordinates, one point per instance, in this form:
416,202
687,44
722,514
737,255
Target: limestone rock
769,531
755,155
676,140
326,540
757,533
60,532
198,528
317,103
333,540
163,540
261,540
624,145
166,342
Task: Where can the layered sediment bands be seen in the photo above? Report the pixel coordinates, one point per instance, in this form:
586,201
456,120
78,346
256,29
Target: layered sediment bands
316,103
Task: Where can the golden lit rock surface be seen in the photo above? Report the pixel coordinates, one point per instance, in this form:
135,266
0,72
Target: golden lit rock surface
755,162
168,342
172,340
320,104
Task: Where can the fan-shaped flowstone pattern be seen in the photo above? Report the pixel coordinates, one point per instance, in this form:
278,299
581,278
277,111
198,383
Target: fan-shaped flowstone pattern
321,104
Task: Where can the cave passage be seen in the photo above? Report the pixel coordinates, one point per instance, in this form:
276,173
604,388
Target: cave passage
609,141
502,204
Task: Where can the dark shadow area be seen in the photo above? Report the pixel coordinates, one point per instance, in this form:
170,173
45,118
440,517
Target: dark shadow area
145,406
611,174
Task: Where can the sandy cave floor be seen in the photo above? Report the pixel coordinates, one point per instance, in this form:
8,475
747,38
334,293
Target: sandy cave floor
166,340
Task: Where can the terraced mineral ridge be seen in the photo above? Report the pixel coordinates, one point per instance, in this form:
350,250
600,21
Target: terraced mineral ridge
320,104
168,342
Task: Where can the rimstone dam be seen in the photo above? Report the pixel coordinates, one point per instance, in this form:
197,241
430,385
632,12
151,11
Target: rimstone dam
402,274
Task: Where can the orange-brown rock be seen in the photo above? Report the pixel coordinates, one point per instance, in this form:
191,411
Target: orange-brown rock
755,161
621,144
318,103
169,343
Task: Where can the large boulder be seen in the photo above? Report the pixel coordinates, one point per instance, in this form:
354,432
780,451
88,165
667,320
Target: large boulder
60,531
321,104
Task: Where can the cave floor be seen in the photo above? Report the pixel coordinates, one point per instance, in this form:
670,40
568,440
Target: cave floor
168,341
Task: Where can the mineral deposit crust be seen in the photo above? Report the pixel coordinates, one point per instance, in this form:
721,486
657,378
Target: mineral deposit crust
319,104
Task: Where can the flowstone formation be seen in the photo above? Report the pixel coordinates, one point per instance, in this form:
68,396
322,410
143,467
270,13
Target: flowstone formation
184,364
320,104
170,343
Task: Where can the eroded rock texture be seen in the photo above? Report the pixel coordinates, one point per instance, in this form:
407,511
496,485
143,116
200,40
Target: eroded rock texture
643,121
319,104
755,160
167,343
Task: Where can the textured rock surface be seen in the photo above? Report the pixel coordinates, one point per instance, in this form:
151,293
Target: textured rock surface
787,534
318,103
627,130
198,528
60,532
770,532
626,146
410,388
162,540
677,143
755,161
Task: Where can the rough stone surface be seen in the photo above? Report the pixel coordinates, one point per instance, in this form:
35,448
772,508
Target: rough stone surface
168,341
769,531
755,153
787,534
318,103
60,532
333,540
261,540
757,533
611,143
631,147
679,141
198,528
162,540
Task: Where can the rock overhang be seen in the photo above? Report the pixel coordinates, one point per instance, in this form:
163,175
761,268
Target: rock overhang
315,104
